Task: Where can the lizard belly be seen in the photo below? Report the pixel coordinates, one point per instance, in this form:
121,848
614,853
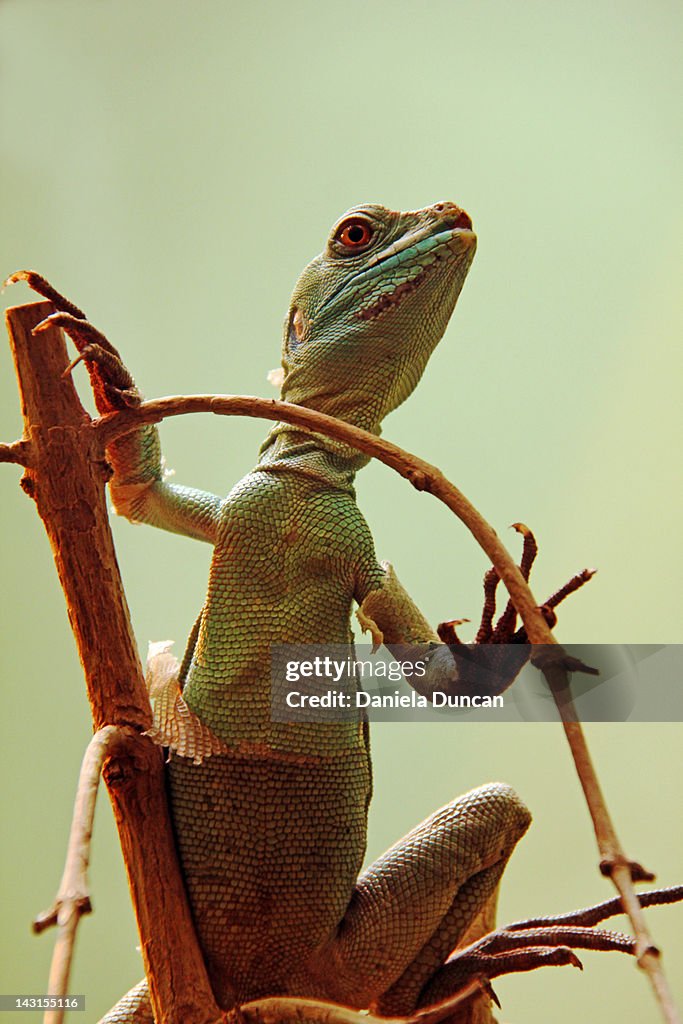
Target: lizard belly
271,834
270,851
283,572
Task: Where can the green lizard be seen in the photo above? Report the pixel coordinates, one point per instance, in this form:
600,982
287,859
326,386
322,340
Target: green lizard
270,818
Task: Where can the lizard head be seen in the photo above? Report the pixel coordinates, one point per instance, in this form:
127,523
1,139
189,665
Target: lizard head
367,313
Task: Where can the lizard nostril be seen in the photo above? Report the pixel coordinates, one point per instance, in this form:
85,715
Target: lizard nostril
453,213
463,220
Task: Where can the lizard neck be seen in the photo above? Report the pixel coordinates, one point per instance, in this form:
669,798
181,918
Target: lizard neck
330,462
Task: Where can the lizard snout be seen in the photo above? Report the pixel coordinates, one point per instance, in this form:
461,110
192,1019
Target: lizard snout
453,215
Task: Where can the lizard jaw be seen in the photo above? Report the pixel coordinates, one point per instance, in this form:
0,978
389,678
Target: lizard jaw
462,240
393,299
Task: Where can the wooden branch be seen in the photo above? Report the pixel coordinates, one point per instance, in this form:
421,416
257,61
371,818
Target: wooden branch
613,861
426,477
66,477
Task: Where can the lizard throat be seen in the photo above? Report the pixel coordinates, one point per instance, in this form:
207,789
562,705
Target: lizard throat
391,300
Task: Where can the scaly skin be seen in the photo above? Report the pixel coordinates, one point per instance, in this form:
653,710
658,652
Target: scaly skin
271,826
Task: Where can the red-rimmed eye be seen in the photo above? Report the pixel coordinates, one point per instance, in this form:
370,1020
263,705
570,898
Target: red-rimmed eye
354,233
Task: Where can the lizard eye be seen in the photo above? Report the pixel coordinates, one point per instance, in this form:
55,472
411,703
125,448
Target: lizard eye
354,233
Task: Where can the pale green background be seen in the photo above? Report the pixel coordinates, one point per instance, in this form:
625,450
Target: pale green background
172,167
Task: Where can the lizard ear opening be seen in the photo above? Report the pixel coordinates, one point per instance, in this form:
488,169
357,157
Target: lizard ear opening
296,330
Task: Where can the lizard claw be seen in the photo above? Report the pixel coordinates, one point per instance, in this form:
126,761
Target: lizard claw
537,942
504,630
499,953
53,320
42,286
490,992
500,651
112,383
95,354
18,275
446,631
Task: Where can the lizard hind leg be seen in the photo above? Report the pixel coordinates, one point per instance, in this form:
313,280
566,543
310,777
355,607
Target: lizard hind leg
415,904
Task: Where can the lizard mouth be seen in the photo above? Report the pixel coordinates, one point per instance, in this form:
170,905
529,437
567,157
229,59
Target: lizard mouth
459,231
392,299
463,220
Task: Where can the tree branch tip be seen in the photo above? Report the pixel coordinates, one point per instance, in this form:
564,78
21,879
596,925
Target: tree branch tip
637,872
46,919
576,665
546,657
50,918
17,452
650,950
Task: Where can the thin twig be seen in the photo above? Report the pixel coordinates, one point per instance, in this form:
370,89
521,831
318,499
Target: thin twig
73,887
73,897
426,477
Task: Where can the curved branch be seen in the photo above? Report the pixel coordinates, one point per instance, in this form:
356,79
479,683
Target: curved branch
421,474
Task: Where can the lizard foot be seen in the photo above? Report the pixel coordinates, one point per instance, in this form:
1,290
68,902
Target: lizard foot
112,382
538,942
501,650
